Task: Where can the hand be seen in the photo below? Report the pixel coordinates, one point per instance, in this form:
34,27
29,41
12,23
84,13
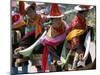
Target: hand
17,50
81,55
18,61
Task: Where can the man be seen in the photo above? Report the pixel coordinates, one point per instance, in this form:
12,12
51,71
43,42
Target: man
53,41
33,30
17,24
77,31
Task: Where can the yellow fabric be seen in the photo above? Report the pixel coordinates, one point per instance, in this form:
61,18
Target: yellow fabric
74,33
19,24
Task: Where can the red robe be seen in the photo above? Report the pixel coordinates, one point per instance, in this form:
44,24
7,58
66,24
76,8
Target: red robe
77,27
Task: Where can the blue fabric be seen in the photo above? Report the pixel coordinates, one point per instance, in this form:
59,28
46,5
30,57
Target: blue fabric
29,29
49,58
24,68
14,70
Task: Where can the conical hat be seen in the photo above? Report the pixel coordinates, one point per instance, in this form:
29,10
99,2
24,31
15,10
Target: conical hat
55,11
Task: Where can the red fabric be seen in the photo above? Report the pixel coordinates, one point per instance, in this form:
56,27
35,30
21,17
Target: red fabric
77,22
44,58
21,7
55,10
15,18
29,34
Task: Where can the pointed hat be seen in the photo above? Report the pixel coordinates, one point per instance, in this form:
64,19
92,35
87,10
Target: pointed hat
54,11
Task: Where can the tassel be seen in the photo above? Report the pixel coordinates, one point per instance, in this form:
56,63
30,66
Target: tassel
21,7
44,58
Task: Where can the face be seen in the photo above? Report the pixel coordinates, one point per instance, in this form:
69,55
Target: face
56,20
31,14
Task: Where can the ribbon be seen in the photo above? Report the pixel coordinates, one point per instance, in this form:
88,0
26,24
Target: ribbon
44,58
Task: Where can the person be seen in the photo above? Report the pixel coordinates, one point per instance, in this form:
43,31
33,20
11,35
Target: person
17,23
77,31
53,41
33,30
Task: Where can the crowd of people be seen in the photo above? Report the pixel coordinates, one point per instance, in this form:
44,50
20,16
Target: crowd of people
61,49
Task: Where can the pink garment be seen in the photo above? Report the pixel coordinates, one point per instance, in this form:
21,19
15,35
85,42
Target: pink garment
51,42
55,40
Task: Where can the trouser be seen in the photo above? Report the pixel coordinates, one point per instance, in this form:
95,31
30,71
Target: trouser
24,68
14,70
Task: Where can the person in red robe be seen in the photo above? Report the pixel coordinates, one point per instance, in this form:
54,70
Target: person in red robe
77,30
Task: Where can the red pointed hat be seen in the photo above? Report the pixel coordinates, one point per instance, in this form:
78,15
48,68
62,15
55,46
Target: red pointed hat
83,7
55,11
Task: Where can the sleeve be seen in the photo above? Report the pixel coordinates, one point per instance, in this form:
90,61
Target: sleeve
27,41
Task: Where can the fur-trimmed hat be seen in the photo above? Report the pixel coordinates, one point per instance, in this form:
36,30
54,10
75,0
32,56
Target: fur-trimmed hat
83,7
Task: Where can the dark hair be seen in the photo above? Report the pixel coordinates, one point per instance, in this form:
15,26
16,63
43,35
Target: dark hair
83,11
31,8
